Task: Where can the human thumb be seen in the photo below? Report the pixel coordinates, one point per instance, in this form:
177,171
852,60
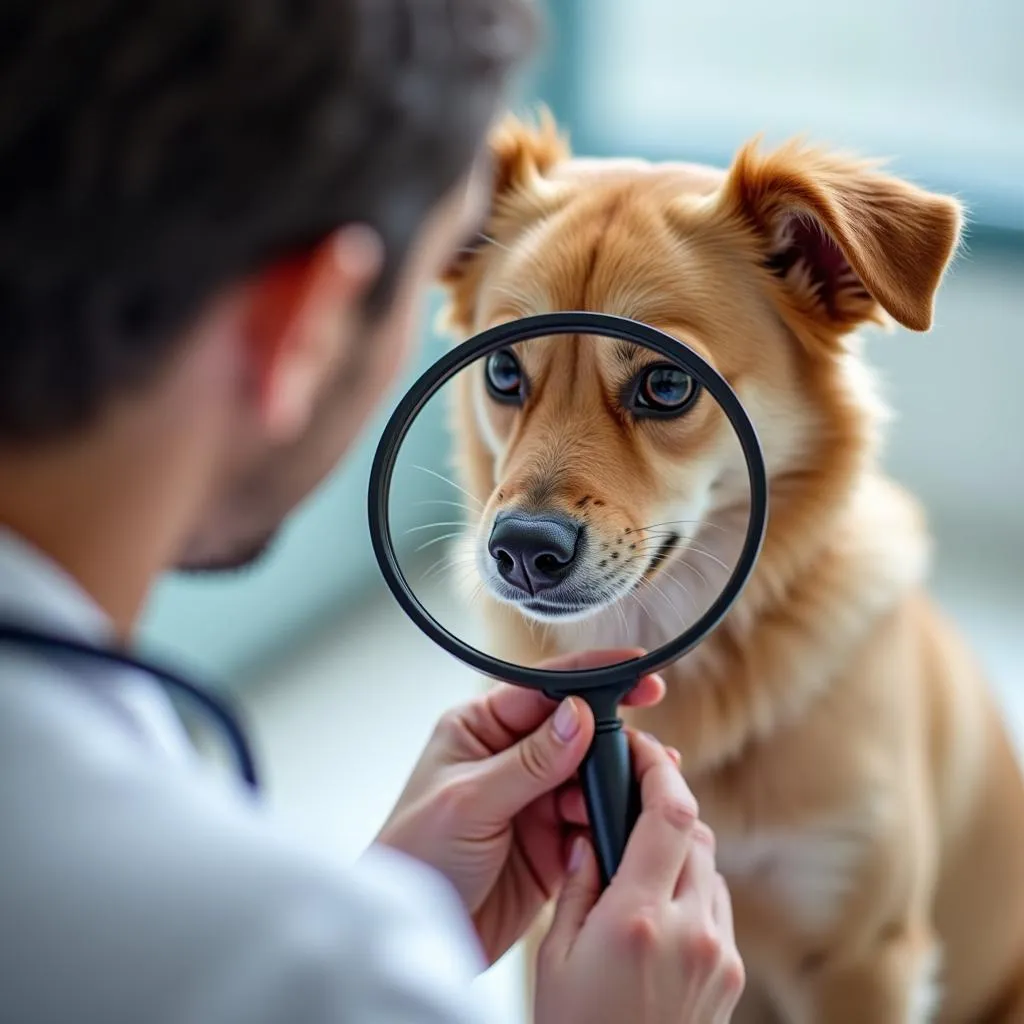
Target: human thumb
577,898
538,763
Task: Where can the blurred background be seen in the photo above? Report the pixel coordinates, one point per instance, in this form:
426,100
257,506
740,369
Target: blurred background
310,642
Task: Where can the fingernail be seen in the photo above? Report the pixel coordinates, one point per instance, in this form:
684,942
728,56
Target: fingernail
576,854
567,720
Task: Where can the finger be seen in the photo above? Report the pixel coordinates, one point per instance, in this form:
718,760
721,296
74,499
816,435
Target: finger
507,713
677,758
569,841
538,764
697,886
577,898
661,840
731,975
721,910
648,692
647,750
570,803
572,807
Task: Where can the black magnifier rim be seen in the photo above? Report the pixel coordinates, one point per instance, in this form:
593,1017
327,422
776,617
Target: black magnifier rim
624,674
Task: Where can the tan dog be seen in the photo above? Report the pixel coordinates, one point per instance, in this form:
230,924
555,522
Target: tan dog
868,809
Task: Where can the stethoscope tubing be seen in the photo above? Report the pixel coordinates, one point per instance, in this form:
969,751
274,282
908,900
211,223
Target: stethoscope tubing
215,706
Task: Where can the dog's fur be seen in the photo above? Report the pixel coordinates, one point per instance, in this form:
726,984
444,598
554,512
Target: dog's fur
868,807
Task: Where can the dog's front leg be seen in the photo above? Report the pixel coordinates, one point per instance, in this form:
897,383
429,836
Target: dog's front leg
895,982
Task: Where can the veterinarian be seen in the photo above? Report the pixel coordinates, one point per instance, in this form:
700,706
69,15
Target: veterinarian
217,220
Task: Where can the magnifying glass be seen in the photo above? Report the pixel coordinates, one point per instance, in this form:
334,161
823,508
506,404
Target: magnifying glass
609,492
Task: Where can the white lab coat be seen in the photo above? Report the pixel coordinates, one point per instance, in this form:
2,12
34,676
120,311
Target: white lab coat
133,891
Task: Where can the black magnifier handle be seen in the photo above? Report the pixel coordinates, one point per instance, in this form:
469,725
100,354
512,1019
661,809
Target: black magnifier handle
612,794
610,787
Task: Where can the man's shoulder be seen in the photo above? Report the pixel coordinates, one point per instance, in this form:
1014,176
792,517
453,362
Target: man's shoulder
192,894
167,837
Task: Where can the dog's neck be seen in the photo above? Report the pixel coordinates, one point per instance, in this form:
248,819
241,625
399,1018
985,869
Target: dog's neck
791,637
790,633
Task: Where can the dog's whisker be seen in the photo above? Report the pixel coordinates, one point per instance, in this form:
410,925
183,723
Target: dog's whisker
476,592
648,584
438,540
645,547
679,522
451,483
622,615
459,582
446,501
682,586
635,595
463,573
432,526
468,573
707,554
493,241
449,562
653,583
662,535
635,598
445,560
654,547
682,561
645,586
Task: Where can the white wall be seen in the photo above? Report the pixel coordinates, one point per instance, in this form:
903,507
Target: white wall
938,86
958,441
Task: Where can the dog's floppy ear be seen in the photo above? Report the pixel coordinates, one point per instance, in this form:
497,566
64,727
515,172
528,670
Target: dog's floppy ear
847,241
521,156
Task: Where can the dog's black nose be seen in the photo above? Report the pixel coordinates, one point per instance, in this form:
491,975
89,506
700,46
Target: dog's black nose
533,553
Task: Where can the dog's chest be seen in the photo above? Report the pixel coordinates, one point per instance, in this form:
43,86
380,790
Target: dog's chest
809,871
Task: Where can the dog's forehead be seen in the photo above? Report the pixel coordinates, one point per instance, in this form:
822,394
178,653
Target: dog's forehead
678,176
584,356
620,242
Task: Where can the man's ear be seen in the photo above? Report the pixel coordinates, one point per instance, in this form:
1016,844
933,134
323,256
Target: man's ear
301,318
846,240
521,155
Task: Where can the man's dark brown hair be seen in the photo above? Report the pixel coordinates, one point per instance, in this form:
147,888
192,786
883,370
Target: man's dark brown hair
153,152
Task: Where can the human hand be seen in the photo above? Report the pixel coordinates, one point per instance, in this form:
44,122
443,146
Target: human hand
657,946
493,801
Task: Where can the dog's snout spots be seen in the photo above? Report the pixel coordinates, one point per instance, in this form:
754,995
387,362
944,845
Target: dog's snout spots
584,501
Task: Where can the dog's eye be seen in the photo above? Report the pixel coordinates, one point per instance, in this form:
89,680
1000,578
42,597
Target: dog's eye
504,376
664,389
